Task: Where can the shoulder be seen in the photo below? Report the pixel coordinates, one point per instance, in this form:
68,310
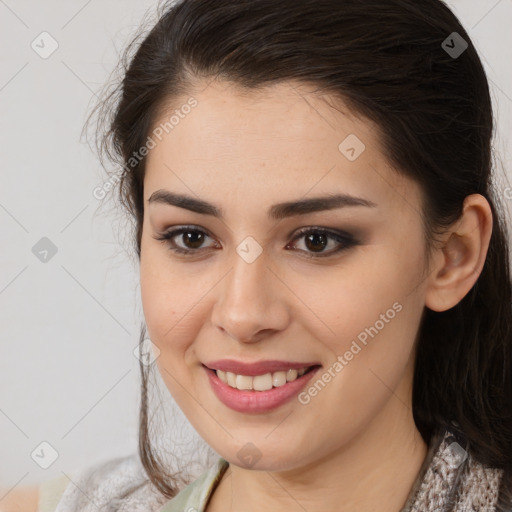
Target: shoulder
479,486
196,495
505,494
115,485
50,492
454,479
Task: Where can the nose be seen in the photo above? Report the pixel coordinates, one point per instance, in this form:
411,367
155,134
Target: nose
251,302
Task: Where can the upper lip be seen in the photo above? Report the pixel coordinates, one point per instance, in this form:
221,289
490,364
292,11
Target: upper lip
257,367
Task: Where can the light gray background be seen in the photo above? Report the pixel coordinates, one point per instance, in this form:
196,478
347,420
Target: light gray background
68,375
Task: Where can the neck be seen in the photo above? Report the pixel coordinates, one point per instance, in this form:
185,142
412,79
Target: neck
375,470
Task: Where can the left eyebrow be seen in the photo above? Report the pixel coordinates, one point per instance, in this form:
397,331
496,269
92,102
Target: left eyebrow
276,211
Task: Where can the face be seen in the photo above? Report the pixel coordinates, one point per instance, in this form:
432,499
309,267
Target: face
341,288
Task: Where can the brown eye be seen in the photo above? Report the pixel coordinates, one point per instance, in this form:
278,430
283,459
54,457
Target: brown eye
316,242
195,240
317,239
191,239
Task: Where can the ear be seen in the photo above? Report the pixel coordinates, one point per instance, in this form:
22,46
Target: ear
459,261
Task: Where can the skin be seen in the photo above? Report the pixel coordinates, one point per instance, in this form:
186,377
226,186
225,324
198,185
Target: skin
354,446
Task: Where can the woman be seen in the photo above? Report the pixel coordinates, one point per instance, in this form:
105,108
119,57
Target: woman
323,263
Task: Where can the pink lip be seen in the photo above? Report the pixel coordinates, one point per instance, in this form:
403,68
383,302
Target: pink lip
249,401
257,368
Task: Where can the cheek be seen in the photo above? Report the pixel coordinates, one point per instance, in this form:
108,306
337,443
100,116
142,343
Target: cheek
368,360
156,298
165,302
169,327
347,300
370,316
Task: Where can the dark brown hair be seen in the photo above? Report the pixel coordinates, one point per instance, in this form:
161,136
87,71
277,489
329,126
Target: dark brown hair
386,60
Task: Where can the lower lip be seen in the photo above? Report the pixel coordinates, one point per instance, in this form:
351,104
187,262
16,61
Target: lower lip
257,401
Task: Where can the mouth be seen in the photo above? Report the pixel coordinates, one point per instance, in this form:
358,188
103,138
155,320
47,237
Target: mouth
259,393
264,382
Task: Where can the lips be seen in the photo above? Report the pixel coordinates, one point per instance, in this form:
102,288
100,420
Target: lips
257,368
257,402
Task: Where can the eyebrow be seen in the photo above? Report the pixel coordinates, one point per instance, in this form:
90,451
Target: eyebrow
276,211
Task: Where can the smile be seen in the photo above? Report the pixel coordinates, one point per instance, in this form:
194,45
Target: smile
260,382
250,399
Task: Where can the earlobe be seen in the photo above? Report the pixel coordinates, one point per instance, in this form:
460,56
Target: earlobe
460,260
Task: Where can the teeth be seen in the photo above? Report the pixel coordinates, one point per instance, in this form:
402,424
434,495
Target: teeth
259,382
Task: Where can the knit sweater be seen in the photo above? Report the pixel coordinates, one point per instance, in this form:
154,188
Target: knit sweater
450,480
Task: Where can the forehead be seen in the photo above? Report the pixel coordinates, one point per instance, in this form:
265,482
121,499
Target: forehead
259,124
280,142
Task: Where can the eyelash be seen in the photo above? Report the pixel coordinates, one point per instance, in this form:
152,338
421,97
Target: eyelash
347,240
